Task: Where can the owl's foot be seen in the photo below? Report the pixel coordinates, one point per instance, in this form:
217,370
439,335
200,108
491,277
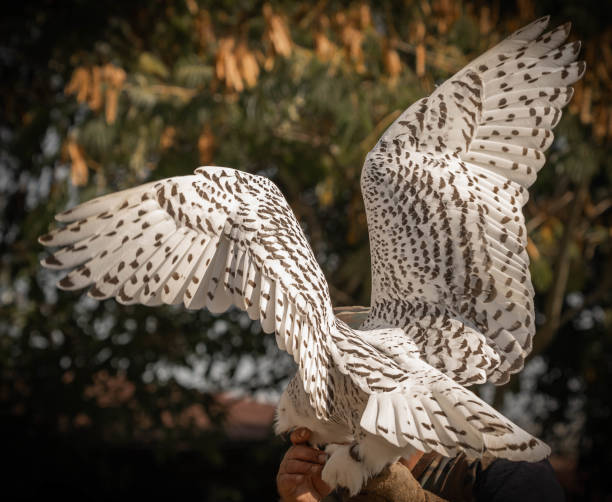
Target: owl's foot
352,465
344,469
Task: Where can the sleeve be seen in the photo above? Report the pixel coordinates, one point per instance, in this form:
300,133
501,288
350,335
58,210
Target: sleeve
394,484
506,481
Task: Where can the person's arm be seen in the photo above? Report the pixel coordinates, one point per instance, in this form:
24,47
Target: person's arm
394,484
299,474
505,481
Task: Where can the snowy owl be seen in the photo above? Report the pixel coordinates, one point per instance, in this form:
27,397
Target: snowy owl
452,300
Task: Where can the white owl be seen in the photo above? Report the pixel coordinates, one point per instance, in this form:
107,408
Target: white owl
452,300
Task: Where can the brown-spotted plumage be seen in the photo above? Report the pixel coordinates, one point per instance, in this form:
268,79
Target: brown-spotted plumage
444,190
452,301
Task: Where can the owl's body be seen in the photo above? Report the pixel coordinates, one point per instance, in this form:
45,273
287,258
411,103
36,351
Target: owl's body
452,301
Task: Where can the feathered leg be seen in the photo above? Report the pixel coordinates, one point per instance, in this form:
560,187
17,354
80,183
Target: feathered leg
351,465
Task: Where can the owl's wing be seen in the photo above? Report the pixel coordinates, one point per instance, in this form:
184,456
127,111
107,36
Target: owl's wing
444,189
414,404
213,239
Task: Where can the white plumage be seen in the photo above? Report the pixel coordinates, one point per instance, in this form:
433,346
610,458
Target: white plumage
452,301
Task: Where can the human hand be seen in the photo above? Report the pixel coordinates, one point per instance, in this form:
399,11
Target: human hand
299,474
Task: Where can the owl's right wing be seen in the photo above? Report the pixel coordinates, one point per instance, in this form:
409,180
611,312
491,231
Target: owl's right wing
411,403
444,190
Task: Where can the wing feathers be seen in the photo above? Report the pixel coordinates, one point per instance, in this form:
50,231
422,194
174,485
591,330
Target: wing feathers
548,41
528,32
218,298
106,203
521,136
214,239
278,324
134,259
185,269
444,188
434,422
541,96
195,294
438,420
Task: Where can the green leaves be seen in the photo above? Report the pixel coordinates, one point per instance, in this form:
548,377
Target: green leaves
192,72
97,137
151,64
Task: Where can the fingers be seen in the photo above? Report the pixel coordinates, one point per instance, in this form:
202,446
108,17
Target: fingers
286,480
300,435
299,475
319,485
297,488
293,466
287,485
306,453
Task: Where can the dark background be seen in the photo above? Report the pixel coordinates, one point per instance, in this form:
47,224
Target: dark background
101,401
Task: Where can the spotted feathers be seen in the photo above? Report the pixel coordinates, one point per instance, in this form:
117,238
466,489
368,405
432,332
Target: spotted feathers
444,189
452,300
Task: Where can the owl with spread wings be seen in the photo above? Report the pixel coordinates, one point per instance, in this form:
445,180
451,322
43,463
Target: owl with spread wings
452,299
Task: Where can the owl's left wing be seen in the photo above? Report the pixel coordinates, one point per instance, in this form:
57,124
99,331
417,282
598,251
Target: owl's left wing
444,189
218,238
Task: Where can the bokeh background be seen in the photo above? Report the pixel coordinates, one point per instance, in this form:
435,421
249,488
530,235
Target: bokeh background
103,401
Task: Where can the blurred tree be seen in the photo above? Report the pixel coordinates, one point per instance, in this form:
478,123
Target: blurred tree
100,96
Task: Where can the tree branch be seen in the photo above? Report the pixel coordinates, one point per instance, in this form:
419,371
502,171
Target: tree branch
554,300
544,215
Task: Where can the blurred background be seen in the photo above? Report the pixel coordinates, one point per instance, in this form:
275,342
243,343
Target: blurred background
103,401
